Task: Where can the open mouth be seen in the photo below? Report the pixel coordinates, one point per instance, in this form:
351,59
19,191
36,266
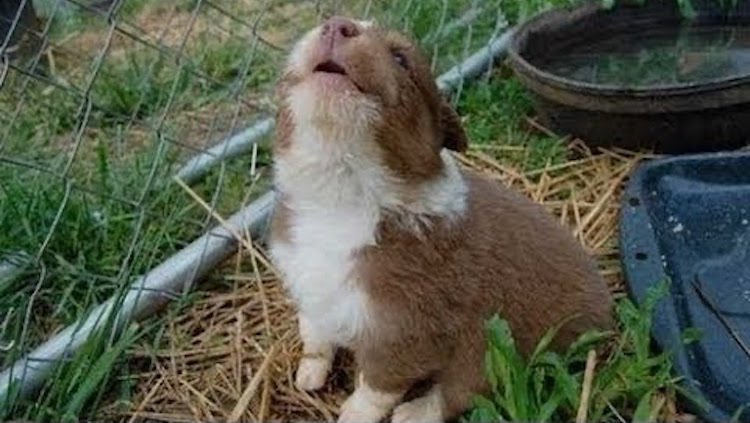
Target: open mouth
329,66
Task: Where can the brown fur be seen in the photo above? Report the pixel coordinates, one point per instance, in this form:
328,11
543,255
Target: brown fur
284,129
280,221
432,291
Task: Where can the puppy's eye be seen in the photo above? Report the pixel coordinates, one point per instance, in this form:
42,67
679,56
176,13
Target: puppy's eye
400,58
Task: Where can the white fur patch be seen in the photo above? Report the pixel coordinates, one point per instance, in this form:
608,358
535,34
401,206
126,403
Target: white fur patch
367,405
446,196
426,409
340,116
318,354
443,197
366,24
312,373
297,59
332,187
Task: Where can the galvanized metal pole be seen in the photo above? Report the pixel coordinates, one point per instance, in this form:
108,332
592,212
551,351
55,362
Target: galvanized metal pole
476,64
233,146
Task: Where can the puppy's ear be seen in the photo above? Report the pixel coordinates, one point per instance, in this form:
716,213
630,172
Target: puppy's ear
454,137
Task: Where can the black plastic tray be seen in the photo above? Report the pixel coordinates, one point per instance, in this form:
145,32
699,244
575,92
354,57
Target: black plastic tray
688,219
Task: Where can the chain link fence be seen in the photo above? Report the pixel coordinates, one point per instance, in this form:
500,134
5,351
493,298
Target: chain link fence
102,104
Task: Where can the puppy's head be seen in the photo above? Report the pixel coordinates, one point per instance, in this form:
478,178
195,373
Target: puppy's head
351,81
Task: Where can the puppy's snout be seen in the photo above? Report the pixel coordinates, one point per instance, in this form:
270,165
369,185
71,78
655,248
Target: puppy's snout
337,29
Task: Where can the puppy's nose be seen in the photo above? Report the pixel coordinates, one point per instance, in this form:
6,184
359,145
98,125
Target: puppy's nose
336,29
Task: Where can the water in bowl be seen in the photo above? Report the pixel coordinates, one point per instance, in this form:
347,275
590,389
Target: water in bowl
657,57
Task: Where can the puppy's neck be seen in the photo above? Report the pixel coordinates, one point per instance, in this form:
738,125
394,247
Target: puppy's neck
327,167
334,169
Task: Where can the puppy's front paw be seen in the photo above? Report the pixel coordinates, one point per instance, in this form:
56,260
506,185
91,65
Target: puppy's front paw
367,405
357,409
427,409
312,373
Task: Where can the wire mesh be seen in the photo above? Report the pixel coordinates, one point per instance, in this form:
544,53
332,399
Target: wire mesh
101,104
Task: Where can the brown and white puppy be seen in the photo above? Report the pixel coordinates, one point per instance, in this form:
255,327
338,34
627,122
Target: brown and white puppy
389,249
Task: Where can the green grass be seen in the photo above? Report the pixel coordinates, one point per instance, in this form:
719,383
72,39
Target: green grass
34,114
236,61
92,231
448,31
69,17
144,82
82,378
98,245
133,88
547,386
494,113
138,86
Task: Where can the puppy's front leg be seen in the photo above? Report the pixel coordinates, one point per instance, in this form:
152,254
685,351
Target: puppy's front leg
368,404
317,357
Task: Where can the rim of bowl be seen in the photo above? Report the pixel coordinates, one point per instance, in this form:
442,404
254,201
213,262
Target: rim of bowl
544,76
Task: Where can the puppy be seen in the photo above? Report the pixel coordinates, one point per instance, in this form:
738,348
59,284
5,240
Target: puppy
392,251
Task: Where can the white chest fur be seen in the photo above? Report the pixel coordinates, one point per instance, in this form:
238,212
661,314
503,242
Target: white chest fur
318,267
333,190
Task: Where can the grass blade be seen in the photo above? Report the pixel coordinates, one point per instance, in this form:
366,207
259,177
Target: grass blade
98,373
642,412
